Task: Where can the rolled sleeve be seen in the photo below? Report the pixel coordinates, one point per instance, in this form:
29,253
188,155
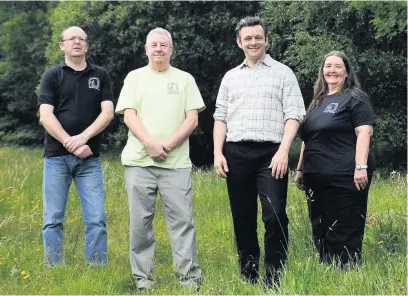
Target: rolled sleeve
128,95
221,105
293,104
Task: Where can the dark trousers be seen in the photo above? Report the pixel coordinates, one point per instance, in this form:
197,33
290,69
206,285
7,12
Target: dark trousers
248,177
337,212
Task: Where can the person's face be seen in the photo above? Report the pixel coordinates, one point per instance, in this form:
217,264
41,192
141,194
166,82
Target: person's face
158,49
253,42
74,42
334,71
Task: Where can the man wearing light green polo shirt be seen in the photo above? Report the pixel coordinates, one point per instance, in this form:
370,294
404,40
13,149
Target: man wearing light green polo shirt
160,105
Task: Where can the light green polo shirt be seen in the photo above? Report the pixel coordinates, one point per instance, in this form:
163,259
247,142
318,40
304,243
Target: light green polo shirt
161,100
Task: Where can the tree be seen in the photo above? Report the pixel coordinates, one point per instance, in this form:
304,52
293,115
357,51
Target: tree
303,32
204,45
24,33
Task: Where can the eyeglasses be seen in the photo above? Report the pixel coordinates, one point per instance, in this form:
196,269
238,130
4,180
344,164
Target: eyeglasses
73,38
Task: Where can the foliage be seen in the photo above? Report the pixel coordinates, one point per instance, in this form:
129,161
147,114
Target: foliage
373,35
204,46
24,34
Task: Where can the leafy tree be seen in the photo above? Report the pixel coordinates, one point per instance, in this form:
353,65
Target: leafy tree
24,33
204,45
301,33
373,35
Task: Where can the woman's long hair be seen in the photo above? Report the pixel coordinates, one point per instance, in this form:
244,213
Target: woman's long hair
351,84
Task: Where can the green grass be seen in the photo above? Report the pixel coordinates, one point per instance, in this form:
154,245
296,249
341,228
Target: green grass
384,268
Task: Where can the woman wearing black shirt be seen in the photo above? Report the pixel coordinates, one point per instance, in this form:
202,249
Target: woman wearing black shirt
335,165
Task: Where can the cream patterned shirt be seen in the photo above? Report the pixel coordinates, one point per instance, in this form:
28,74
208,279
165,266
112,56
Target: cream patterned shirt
256,102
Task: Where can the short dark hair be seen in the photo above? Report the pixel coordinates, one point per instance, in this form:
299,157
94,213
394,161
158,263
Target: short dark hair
250,21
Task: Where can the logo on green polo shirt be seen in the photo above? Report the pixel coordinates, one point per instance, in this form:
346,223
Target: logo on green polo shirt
172,88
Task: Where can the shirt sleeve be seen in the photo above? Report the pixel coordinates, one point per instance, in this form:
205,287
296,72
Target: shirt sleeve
128,95
194,101
107,92
48,93
361,113
292,103
221,105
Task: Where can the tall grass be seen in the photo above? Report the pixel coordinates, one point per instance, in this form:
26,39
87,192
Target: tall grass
384,269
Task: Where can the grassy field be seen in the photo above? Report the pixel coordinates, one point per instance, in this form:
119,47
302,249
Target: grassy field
384,269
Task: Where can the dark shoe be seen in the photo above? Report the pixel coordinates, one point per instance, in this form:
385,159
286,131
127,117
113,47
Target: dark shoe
253,280
272,281
249,266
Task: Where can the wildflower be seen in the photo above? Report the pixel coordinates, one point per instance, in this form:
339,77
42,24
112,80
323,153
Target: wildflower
23,273
26,276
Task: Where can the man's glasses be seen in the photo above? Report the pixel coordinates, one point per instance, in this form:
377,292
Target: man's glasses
74,38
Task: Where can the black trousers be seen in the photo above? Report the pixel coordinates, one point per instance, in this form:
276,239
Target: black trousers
248,177
337,212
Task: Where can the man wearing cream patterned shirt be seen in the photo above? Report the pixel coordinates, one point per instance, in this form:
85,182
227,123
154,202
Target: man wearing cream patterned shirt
160,105
258,110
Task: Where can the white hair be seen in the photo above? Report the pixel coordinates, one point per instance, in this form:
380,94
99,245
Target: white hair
162,32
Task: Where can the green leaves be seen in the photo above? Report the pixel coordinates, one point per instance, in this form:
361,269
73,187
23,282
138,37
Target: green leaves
372,34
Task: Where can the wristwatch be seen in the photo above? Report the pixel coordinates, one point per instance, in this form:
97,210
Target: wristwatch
361,166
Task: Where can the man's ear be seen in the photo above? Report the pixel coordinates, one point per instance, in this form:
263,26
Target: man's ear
239,42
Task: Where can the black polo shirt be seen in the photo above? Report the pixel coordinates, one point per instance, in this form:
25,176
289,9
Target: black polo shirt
329,135
76,97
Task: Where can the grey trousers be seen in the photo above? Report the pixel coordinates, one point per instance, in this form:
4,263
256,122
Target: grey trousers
174,186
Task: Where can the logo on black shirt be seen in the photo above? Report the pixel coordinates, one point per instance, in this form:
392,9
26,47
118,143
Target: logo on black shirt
331,108
172,88
93,82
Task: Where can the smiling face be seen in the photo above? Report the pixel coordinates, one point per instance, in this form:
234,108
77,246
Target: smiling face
334,72
158,49
74,43
252,41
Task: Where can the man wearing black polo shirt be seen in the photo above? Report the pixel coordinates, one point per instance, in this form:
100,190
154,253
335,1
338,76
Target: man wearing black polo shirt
76,104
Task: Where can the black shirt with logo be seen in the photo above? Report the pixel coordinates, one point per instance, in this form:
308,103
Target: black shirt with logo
77,101
329,135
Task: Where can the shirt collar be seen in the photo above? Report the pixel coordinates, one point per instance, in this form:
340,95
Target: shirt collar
267,61
88,67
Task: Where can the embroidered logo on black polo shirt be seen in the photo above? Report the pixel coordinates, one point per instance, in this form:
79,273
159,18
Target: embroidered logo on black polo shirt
94,82
172,88
331,108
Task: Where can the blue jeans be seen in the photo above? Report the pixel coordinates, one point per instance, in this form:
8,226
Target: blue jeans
87,174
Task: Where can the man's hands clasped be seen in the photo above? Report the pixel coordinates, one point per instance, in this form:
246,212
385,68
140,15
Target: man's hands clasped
158,150
77,146
74,142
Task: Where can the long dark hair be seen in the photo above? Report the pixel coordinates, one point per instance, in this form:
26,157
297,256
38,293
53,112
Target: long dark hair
351,84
